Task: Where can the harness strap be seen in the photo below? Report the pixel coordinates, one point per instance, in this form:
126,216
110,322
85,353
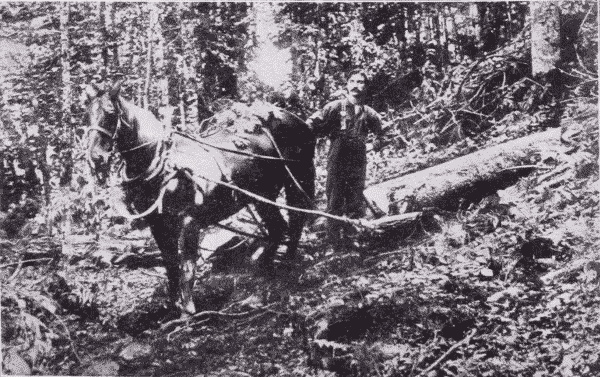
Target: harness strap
356,222
156,167
345,121
157,203
99,129
157,164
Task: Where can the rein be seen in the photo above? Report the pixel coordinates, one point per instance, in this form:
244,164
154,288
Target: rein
356,222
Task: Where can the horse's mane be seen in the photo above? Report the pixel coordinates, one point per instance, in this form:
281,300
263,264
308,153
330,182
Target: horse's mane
138,116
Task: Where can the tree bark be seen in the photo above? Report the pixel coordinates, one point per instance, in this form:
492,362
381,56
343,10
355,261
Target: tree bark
467,178
103,39
113,46
546,53
65,59
151,37
545,37
160,70
67,97
190,89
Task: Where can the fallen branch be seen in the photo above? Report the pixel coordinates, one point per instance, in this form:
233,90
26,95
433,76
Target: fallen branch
393,221
466,340
526,167
179,329
178,321
71,343
383,255
157,275
576,266
24,261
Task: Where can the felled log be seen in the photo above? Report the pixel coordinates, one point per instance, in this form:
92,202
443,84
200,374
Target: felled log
404,223
395,221
469,177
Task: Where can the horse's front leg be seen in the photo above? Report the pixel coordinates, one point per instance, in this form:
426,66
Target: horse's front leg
188,255
165,232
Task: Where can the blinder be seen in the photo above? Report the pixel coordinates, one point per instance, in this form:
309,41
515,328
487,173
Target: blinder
103,130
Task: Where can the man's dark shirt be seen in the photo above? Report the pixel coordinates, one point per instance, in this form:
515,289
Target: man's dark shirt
328,121
347,129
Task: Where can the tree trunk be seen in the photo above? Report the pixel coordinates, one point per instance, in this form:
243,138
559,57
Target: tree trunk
401,27
112,46
67,138
467,178
103,39
64,59
443,11
160,75
545,37
480,9
545,54
190,90
151,37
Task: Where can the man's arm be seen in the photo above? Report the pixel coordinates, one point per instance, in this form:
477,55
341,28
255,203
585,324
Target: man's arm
377,129
321,122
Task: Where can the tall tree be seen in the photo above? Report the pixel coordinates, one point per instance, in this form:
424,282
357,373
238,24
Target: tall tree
546,50
545,37
67,95
151,38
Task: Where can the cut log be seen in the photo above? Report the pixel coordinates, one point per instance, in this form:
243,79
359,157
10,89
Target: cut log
394,222
400,225
467,178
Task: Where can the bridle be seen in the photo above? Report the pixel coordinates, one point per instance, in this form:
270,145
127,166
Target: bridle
157,163
114,135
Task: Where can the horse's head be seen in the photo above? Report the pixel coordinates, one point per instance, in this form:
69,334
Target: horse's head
104,124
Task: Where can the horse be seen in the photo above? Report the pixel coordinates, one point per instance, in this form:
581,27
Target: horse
182,184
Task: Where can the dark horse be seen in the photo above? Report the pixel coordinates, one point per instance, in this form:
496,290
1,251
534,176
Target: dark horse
181,184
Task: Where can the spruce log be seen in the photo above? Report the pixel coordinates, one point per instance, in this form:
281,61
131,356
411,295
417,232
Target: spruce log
467,178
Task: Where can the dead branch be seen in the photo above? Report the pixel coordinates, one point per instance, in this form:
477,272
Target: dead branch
24,261
208,313
466,340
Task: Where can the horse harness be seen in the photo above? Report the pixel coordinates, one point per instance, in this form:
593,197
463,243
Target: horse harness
161,164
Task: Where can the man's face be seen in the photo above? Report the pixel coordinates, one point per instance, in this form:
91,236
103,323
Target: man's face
356,85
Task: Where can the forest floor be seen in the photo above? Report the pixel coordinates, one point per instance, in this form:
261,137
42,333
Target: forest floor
506,287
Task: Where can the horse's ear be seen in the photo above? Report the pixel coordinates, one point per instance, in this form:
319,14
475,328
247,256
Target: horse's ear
115,90
91,91
100,87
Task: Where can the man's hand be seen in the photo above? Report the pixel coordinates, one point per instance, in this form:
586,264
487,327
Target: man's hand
377,145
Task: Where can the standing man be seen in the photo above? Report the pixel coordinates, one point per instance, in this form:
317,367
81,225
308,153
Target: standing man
347,123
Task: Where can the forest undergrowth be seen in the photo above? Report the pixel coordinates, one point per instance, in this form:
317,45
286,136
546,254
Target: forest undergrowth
507,286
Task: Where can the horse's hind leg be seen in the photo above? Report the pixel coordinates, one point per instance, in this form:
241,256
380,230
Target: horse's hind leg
188,254
276,227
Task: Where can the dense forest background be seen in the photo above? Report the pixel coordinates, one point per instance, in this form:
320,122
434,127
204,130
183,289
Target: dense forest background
182,60
447,78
